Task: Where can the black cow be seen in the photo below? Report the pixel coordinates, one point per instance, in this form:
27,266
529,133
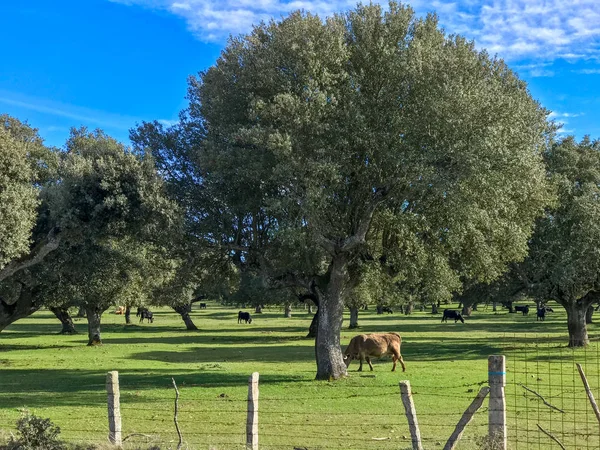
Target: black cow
244,316
387,309
548,309
452,314
202,305
541,313
146,314
140,310
523,309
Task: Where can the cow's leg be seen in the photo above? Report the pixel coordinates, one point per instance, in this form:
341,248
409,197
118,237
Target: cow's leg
370,365
401,363
360,366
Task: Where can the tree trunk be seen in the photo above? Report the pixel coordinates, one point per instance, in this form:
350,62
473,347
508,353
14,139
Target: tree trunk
408,309
312,330
474,307
94,316
495,306
310,309
128,315
23,307
184,311
63,315
353,318
81,312
288,311
589,313
258,309
576,312
328,352
434,308
466,311
379,309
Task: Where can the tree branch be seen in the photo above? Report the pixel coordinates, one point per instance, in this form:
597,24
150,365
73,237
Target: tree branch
543,399
350,243
36,256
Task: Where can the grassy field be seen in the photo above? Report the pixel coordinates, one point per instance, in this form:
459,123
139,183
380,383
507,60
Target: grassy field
59,377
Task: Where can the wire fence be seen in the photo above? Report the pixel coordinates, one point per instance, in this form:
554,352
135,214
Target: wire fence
546,406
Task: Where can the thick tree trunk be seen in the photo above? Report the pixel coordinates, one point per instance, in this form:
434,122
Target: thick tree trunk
379,309
23,307
434,308
495,306
353,318
94,316
288,311
589,313
474,307
312,330
81,312
63,315
330,362
258,309
576,312
467,310
128,315
184,311
409,308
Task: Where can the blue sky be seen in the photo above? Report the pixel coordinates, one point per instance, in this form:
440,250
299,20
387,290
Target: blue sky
111,63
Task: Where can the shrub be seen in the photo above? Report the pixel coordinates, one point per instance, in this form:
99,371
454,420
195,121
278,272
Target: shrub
35,433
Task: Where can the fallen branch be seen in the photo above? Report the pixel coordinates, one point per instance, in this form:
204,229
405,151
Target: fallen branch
137,434
543,399
551,436
589,392
175,416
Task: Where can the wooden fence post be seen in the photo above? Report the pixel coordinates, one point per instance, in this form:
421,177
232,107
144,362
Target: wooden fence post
497,405
252,418
466,418
411,414
114,408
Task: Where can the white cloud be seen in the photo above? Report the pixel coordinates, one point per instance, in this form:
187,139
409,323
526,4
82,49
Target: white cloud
588,71
515,29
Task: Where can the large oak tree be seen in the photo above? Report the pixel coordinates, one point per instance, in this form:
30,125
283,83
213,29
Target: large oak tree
367,136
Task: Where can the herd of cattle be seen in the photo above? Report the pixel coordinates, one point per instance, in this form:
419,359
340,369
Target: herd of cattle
363,347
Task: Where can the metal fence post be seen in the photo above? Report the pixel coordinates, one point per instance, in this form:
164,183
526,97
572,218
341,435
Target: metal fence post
252,417
497,405
114,408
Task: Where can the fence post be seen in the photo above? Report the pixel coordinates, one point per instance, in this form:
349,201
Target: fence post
114,408
252,418
411,415
497,405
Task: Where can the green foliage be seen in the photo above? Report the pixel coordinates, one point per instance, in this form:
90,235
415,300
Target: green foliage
18,198
35,433
378,116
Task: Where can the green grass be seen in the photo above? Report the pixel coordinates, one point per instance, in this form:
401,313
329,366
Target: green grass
59,377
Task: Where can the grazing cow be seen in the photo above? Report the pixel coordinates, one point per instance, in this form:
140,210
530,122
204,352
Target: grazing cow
541,313
202,305
387,309
452,314
244,316
523,309
365,346
146,314
548,309
120,310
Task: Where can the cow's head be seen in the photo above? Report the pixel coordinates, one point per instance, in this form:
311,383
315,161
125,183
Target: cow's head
348,359
250,320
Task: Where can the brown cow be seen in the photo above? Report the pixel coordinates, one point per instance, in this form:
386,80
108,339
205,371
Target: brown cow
364,346
120,310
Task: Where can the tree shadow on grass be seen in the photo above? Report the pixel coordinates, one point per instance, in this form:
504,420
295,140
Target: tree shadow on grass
56,388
